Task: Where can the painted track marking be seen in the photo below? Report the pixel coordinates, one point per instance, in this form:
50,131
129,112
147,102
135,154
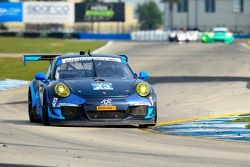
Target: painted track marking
10,84
218,127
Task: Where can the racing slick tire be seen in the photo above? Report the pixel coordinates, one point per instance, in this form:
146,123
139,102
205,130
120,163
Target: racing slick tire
46,120
30,108
146,125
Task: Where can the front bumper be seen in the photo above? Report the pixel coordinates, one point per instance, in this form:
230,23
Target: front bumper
206,39
101,123
129,111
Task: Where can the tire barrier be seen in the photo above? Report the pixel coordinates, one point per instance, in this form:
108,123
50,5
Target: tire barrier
172,36
150,36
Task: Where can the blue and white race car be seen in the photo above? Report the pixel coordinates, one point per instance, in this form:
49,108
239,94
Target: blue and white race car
90,89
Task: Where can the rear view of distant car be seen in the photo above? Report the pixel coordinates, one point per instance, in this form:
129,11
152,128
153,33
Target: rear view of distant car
177,36
218,34
182,35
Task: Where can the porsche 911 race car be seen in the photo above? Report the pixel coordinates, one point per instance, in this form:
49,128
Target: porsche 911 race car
218,34
90,89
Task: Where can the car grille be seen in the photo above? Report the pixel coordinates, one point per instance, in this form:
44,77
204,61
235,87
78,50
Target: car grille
76,113
106,114
139,110
72,112
219,40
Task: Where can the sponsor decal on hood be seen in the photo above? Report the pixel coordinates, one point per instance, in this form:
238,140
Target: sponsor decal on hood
102,86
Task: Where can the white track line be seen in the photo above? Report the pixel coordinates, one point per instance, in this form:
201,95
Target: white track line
10,84
245,45
99,50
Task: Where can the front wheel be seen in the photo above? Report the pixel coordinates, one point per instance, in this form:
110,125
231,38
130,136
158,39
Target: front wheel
146,125
46,120
149,125
30,108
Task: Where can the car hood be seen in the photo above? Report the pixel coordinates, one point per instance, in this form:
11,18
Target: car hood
101,87
220,34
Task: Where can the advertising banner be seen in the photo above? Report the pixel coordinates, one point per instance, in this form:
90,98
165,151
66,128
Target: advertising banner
10,12
99,12
48,12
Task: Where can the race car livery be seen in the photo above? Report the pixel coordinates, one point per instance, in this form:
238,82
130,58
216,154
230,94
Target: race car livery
218,34
90,89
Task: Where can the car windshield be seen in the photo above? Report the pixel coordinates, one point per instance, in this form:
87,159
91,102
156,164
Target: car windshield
220,32
93,68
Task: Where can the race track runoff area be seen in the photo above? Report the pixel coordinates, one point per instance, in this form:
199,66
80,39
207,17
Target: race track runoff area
192,80
217,128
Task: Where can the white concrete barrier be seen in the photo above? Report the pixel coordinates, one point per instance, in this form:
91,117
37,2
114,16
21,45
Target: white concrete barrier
159,35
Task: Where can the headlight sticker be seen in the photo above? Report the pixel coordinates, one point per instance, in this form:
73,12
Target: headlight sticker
102,86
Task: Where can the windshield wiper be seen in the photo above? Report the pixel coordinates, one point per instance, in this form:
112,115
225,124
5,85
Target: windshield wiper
94,68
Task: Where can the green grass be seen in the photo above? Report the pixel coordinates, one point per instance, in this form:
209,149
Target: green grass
43,45
13,68
245,115
242,120
248,126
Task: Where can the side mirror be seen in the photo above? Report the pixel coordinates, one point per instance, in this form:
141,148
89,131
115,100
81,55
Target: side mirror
143,75
41,77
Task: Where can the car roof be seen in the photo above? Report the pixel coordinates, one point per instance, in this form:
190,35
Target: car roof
220,29
72,55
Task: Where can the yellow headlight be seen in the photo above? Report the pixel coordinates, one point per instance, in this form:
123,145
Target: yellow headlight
62,90
229,35
142,89
211,35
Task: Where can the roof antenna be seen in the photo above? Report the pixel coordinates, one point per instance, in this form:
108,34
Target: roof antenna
89,53
82,52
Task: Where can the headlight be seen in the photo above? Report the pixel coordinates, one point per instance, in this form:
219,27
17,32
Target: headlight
142,89
204,38
228,35
211,35
62,90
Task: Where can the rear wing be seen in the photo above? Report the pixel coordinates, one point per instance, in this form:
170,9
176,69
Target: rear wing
38,58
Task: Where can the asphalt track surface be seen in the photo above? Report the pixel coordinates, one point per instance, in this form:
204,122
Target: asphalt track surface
192,80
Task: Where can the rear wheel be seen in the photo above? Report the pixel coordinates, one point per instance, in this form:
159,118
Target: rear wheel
46,120
30,108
